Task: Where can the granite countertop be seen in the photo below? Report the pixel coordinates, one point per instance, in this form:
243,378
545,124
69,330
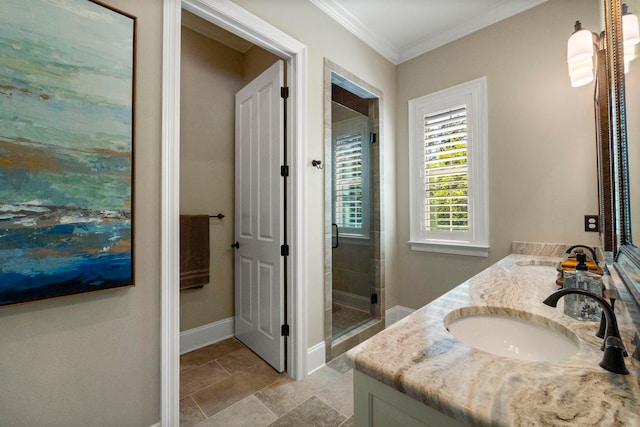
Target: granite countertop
420,358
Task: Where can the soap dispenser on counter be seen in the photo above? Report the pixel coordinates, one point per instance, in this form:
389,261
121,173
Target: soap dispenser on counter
582,307
571,262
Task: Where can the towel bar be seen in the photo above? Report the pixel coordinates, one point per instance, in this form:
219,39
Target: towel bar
219,216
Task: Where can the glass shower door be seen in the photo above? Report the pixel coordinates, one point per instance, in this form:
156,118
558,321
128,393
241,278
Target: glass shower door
352,285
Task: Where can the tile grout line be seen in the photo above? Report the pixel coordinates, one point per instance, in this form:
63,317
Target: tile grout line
292,409
313,395
333,384
200,409
262,403
235,403
210,384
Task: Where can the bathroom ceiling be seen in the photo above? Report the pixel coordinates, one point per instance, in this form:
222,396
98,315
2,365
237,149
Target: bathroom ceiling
403,29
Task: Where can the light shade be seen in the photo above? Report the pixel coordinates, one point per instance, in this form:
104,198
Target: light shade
581,73
580,45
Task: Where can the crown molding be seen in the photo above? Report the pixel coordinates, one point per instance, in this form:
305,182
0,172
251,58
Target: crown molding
358,29
397,55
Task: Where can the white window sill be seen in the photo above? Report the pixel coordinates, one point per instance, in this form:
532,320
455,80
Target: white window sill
450,248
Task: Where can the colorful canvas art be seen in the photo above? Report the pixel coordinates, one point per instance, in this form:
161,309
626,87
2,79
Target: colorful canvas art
66,148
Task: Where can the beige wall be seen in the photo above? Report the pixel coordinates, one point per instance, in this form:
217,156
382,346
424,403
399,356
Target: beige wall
257,60
95,359
542,164
211,74
325,38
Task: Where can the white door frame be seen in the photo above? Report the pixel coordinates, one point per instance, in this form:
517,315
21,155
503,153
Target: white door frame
239,21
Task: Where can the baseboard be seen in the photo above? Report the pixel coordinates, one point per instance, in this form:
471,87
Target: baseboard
156,425
193,339
204,335
396,313
315,358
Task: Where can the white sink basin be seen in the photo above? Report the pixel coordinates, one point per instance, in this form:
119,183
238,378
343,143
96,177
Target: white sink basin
511,333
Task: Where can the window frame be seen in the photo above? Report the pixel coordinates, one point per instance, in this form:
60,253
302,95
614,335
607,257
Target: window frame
475,241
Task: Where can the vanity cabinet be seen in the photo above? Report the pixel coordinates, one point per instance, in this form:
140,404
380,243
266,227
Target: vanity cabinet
417,360
378,405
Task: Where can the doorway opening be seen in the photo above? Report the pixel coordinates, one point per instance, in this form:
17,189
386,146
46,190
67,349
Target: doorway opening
246,25
354,285
229,163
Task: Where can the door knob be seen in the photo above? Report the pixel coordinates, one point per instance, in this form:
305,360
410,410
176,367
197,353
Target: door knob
235,245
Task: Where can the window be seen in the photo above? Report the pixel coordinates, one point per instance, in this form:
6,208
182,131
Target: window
350,177
448,167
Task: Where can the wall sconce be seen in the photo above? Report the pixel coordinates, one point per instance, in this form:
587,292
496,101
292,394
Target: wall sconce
580,55
580,48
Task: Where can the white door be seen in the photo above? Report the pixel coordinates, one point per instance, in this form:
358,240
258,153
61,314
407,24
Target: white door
259,272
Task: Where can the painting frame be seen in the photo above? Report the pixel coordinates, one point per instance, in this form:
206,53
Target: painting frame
67,149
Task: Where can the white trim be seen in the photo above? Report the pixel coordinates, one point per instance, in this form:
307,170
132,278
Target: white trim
466,27
315,357
398,55
237,20
395,314
475,241
156,425
343,17
170,234
201,336
450,248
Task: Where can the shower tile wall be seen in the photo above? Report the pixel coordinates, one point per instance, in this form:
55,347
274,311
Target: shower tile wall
352,270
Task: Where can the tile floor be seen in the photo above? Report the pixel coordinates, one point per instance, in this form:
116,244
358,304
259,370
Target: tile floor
345,319
225,384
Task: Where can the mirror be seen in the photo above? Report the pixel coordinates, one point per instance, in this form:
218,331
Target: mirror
632,95
624,111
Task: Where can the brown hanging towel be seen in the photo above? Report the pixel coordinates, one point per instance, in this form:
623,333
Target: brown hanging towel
194,251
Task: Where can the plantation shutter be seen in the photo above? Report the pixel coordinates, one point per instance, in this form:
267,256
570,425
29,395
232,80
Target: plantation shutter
349,181
446,180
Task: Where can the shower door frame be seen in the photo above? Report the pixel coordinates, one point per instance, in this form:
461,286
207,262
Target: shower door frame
334,348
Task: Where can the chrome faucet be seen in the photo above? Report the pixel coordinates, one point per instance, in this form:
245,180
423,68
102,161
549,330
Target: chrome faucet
614,351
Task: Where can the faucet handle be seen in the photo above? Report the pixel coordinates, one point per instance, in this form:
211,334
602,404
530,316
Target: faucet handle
636,341
613,359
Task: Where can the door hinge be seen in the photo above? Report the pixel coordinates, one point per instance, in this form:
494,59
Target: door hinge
284,250
373,137
284,170
374,298
284,92
284,330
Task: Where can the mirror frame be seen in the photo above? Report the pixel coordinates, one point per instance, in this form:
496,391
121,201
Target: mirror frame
626,254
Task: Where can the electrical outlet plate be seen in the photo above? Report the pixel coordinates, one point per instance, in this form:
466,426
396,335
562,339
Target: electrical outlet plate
591,223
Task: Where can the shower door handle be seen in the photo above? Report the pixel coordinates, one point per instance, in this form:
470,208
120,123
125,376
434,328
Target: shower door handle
337,236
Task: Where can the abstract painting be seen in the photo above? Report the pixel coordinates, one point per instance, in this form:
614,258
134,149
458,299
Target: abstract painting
66,148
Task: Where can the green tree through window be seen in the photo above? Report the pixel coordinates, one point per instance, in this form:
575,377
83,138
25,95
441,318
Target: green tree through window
446,177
